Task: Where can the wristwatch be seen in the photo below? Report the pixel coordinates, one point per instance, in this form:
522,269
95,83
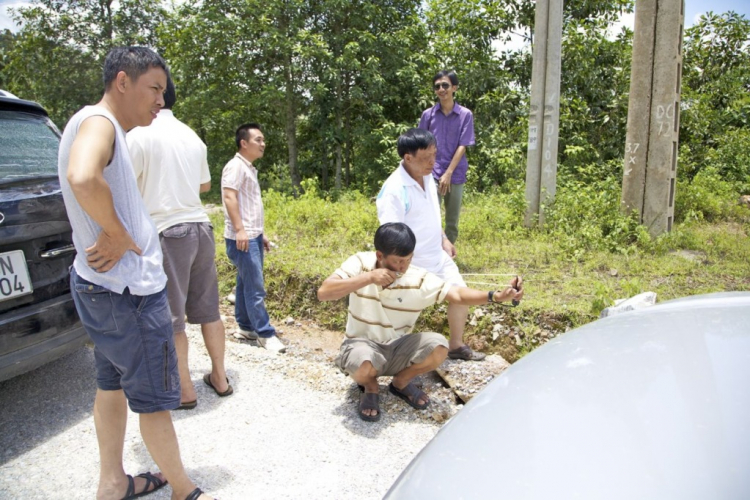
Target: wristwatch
490,296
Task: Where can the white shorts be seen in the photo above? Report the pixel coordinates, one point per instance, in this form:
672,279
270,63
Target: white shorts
449,273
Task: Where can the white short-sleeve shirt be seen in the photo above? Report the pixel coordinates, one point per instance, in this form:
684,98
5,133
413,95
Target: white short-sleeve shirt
402,199
170,164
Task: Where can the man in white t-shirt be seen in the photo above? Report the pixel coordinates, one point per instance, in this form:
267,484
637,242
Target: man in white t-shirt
386,295
409,195
171,168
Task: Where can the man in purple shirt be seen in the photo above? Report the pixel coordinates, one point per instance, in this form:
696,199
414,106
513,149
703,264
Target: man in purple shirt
453,127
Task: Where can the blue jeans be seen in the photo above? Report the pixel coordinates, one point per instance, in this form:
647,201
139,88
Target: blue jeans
249,304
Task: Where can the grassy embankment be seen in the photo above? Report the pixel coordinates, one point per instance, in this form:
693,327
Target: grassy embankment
577,266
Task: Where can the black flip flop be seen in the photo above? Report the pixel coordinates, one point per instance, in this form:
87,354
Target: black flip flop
207,381
188,405
369,401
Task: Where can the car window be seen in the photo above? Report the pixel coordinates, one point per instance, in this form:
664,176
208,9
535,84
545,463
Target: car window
29,146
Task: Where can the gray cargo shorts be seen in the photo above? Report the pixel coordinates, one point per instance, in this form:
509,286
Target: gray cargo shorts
388,358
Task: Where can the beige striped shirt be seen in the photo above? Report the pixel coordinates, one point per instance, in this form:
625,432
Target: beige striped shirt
240,175
384,314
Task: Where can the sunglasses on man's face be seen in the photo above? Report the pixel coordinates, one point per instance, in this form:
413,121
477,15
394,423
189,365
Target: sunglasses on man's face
442,85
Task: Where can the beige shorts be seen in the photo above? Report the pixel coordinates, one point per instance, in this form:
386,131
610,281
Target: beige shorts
388,358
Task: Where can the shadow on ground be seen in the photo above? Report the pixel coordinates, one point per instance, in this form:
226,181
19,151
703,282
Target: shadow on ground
37,406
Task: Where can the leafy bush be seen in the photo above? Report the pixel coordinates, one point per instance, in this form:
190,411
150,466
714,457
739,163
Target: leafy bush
707,197
586,217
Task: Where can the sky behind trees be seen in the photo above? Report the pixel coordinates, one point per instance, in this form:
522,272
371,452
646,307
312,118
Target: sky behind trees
693,9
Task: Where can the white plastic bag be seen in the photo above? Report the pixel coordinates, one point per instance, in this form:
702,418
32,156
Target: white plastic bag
639,301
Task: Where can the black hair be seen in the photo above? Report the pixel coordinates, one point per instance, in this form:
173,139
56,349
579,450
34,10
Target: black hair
395,238
134,61
170,95
415,139
449,73
242,134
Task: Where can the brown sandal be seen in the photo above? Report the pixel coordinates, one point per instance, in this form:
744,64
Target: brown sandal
411,394
466,353
369,401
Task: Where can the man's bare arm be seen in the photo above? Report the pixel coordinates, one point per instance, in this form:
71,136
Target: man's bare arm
471,297
232,202
89,155
335,287
205,187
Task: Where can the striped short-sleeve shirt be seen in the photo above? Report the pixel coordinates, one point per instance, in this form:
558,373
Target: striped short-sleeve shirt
384,314
240,175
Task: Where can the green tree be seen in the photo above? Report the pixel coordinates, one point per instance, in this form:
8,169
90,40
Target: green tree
367,76
715,115
6,44
245,60
56,57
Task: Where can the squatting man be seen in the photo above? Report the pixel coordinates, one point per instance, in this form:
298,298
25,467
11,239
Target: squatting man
386,296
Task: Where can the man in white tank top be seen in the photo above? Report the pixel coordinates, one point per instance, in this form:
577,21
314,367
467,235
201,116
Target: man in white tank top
117,280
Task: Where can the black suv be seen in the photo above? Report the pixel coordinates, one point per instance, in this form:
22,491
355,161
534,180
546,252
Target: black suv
38,321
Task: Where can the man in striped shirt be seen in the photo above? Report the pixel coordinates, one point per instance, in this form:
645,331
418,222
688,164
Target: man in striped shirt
386,296
245,241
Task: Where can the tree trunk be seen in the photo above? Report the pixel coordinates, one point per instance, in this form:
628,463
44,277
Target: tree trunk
339,134
290,129
347,136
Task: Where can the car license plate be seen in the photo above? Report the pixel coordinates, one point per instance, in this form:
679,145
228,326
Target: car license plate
14,275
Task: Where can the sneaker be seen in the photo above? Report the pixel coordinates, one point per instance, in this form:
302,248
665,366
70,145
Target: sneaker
245,334
272,344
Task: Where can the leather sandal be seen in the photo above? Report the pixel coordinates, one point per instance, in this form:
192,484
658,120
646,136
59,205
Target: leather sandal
369,401
466,353
150,479
195,494
411,394
207,381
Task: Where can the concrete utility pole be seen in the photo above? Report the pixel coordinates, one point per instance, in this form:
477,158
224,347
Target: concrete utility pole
650,167
544,112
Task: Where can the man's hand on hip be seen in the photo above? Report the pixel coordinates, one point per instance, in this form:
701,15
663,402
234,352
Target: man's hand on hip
109,249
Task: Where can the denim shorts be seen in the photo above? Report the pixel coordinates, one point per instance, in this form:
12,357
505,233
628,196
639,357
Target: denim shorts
133,344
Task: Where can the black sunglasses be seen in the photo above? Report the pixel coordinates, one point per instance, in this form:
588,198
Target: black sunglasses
443,85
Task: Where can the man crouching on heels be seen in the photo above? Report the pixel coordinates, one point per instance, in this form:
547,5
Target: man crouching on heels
386,296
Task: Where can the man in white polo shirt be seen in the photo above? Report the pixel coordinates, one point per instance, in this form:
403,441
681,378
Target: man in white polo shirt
386,296
171,168
409,195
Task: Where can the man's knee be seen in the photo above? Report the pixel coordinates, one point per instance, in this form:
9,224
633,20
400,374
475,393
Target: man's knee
365,371
437,356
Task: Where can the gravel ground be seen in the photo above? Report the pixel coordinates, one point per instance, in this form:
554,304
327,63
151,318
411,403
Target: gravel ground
288,431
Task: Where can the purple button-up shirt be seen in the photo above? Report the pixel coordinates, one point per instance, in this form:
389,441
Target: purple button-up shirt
451,131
